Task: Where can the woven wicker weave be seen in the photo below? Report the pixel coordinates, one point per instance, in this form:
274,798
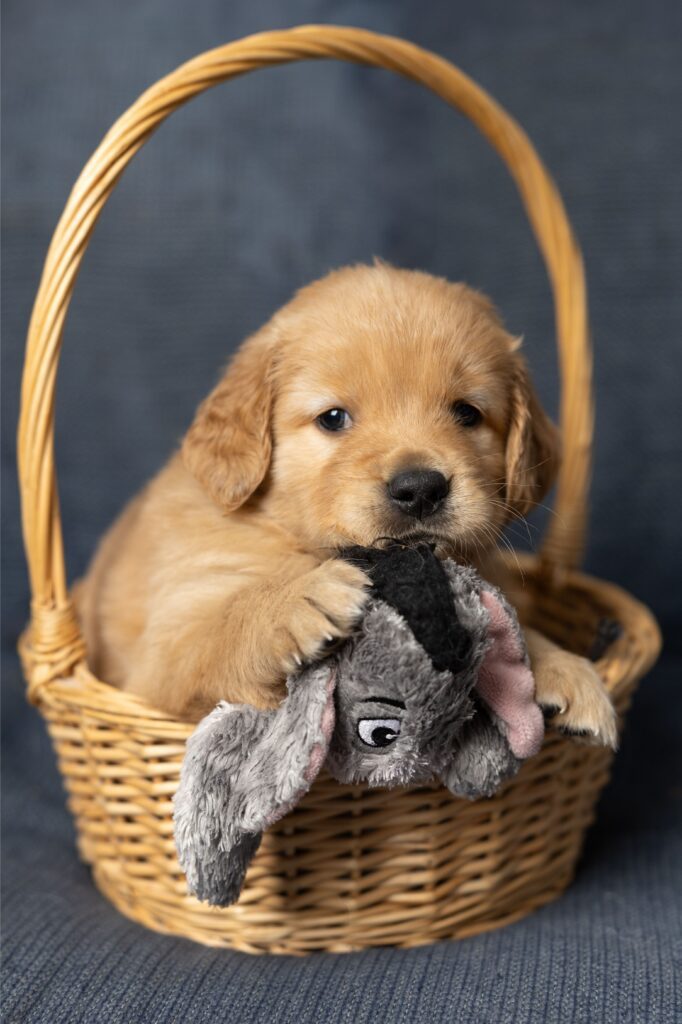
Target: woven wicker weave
350,867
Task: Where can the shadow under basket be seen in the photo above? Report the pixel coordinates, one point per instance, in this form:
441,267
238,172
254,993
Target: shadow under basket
350,867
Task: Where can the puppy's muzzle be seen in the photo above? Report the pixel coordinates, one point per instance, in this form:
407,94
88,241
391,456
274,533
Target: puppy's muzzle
418,493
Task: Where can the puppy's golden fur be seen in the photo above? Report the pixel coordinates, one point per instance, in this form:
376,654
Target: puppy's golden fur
219,578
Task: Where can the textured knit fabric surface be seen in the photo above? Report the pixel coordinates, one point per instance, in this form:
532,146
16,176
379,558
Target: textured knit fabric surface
608,952
247,193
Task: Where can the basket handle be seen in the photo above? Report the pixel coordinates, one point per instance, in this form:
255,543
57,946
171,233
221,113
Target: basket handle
56,642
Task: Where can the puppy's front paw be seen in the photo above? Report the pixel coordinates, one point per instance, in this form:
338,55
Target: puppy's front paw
326,604
574,698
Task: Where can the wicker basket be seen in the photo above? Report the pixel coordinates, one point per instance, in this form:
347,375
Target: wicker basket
350,867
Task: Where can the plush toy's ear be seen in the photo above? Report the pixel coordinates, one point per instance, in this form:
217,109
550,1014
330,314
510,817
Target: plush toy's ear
507,725
243,770
505,681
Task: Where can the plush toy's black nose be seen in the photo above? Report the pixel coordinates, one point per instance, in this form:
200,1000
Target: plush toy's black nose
418,492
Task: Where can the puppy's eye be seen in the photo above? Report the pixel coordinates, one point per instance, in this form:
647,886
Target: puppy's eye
467,415
379,732
334,419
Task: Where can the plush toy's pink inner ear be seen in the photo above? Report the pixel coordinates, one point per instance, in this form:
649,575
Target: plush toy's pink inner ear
319,751
506,683
321,734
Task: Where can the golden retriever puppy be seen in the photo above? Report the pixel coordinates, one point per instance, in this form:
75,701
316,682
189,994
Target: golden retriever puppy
379,403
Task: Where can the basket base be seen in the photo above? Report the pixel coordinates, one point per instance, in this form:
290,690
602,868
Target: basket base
161,917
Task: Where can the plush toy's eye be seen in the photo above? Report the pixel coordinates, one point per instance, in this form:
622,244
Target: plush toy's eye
334,419
378,732
467,415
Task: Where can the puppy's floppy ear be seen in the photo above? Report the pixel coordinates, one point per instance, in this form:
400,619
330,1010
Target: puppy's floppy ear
533,446
228,446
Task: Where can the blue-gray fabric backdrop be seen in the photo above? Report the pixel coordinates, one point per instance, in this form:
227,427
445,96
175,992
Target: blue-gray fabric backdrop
250,191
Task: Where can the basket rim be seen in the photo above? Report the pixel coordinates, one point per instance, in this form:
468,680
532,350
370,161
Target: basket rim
81,690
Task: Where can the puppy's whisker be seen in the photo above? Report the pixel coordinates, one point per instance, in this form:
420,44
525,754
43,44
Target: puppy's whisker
537,465
516,516
515,513
513,553
497,537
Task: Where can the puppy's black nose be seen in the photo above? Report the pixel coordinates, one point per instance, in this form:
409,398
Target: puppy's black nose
418,492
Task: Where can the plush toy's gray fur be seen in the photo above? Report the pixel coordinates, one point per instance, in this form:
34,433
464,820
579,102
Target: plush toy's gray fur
245,768
384,660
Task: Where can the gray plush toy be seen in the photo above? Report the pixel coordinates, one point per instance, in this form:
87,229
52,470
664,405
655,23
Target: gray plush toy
434,683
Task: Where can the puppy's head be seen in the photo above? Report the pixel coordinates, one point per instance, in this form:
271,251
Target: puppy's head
378,403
